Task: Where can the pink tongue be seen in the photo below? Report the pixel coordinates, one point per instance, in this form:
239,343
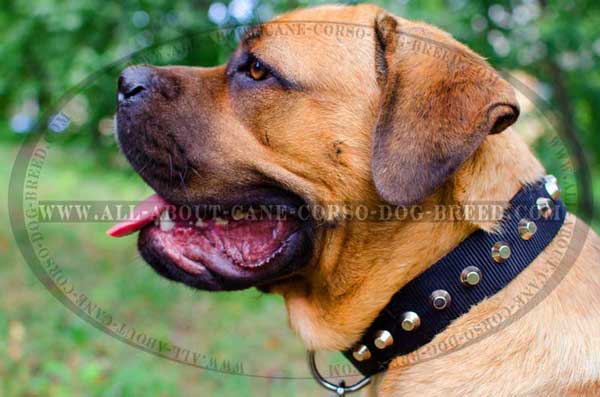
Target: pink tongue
144,213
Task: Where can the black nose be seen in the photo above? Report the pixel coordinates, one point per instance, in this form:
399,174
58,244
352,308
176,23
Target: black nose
134,83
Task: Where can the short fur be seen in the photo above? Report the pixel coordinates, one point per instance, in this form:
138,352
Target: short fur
375,120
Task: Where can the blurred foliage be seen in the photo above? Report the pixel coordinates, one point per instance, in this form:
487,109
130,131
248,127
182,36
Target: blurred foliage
49,46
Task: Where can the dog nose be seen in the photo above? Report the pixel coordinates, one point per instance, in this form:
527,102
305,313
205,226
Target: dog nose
134,83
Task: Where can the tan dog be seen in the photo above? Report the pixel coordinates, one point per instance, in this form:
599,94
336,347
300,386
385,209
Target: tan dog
341,104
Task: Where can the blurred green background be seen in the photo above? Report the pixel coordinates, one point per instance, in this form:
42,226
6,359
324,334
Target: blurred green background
48,47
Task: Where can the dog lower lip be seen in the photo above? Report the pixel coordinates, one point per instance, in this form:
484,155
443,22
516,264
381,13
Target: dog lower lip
214,247
246,241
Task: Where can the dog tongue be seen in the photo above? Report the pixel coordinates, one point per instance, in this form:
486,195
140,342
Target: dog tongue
144,213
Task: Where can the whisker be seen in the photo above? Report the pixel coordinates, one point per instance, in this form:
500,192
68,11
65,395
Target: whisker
195,172
170,168
143,167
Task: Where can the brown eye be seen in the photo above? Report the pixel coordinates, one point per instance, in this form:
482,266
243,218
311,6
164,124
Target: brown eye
257,70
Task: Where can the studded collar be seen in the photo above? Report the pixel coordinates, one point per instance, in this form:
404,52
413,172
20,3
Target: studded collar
477,268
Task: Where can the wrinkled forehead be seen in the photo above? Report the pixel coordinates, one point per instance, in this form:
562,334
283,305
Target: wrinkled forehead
318,46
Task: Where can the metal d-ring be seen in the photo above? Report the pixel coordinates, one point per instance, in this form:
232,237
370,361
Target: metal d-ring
340,389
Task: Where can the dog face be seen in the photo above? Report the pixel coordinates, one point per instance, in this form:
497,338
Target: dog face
343,107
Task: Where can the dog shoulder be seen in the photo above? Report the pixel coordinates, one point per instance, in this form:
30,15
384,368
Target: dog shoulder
552,349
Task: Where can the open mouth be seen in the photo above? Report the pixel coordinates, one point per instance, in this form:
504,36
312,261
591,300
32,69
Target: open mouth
216,247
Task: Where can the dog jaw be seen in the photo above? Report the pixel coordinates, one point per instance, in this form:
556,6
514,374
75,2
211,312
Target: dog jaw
361,265
312,327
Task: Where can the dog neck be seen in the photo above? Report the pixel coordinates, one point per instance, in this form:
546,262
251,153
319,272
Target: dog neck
337,310
478,268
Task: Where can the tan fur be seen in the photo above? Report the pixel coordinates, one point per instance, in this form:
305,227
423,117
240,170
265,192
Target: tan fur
317,143
553,350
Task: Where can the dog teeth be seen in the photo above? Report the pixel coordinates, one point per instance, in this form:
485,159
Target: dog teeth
165,222
221,221
275,253
200,223
270,257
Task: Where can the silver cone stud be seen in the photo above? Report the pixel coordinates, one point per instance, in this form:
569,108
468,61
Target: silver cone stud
500,252
470,276
361,353
383,339
440,299
551,186
527,228
544,206
410,321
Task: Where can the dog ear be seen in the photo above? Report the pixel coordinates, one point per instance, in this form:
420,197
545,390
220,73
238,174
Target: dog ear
439,101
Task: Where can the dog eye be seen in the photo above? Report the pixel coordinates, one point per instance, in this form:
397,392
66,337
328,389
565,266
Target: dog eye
257,70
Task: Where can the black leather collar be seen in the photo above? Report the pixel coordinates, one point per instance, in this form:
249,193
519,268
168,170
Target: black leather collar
477,268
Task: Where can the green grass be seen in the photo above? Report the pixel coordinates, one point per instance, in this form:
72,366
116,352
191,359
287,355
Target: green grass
46,350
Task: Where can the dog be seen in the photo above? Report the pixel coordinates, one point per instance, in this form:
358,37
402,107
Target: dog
350,104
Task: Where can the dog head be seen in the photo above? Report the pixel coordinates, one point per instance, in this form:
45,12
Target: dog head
335,104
